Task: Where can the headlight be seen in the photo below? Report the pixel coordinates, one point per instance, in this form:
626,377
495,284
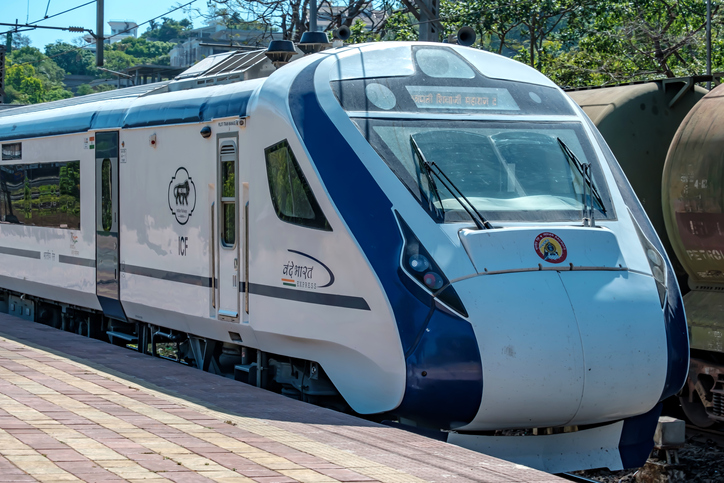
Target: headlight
656,263
418,264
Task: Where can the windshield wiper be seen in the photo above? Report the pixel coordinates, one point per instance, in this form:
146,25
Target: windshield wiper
584,169
424,168
427,167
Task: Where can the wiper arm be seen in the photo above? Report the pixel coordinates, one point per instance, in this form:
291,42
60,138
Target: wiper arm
585,172
474,214
425,168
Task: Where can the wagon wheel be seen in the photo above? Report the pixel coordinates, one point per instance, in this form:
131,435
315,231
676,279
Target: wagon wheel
695,411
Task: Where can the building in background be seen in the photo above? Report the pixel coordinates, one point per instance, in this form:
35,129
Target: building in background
370,17
120,29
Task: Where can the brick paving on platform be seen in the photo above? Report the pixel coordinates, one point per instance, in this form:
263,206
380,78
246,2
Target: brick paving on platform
77,409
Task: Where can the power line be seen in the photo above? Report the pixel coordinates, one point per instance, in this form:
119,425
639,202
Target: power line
46,18
61,13
101,35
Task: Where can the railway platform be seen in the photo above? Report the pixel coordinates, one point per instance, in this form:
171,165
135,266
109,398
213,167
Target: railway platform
78,409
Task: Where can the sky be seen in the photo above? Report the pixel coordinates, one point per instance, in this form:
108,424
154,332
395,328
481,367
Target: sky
28,11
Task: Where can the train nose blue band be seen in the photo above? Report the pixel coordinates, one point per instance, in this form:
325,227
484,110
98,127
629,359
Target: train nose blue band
449,394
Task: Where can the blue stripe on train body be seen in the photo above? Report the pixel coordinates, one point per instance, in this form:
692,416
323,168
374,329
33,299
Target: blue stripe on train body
450,393
127,112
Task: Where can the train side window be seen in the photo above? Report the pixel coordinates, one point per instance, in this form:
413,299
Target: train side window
41,194
228,197
12,151
291,195
106,195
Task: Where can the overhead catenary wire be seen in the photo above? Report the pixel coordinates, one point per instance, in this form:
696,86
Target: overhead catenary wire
48,17
69,51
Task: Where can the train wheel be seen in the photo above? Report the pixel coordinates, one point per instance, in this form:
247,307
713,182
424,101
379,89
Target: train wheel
695,411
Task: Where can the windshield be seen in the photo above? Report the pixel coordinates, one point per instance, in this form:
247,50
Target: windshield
509,171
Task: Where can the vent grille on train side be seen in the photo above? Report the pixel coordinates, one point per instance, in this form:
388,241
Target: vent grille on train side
228,149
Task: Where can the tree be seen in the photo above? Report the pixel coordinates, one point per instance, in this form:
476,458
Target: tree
399,26
290,17
641,40
117,61
146,51
84,90
360,34
168,30
32,77
519,26
48,71
71,59
20,41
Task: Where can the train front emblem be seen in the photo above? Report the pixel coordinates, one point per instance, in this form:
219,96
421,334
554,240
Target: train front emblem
550,247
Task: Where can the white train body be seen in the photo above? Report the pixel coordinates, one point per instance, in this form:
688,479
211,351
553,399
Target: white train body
182,231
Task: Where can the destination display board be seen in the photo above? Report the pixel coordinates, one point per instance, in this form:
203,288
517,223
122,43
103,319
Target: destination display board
474,98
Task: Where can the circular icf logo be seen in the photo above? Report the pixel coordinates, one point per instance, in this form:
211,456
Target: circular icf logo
182,195
550,247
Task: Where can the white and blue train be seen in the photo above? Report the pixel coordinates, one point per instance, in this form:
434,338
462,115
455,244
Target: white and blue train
428,233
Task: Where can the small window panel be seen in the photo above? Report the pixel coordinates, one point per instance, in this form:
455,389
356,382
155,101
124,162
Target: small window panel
106,195
292,197
12,151
228,194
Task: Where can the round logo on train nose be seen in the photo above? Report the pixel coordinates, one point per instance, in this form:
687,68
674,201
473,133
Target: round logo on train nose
550,247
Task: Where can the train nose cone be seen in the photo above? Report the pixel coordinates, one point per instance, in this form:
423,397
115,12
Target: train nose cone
624,343
533,365
565,348
562,345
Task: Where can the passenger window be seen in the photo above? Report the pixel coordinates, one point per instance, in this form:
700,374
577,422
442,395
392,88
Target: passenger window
106,196
291,195
42,194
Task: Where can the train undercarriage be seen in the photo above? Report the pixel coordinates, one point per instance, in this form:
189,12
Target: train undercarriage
702,398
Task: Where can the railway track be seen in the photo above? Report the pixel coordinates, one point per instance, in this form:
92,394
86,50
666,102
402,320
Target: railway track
702,435
576,478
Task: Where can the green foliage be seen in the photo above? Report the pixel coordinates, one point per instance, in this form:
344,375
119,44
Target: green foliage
56,94
104,88
25,85
71,59
360,34
144,50
46,69
399,27
168,30
19,41
84,90
641,39
117,61
584,42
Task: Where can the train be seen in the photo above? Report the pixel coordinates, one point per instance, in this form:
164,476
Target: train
668,131
423,234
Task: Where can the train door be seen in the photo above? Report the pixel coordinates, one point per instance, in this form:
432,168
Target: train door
228,231
107,239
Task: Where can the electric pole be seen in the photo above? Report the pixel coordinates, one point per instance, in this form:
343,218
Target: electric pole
2,74
708,41
99,33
